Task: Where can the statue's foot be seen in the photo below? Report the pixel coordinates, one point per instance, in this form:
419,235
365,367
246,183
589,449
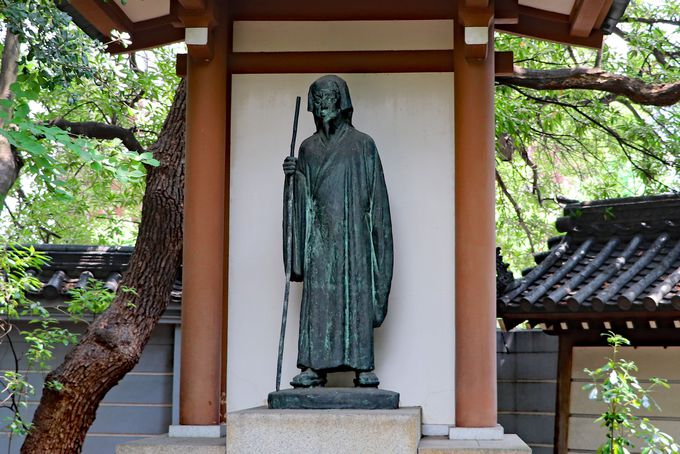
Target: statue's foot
308,379
366,380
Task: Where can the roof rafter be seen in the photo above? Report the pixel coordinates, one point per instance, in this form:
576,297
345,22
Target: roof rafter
580,29
585,14
105,16
540,24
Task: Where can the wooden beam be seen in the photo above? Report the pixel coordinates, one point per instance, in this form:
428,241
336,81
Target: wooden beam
104,16
341,62
506,12
475,17
313,10
477,3
476,20
195,18
613,317
181,64
193,4
584,16
603,13
351,62
662,336
536,23
155,23
148,38
504,63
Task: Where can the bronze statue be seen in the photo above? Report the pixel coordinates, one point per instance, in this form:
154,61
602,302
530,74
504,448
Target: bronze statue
342,241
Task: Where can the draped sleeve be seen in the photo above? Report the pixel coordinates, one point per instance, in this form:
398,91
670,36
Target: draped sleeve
381,237
299,182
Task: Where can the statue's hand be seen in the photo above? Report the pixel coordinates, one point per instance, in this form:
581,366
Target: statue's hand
289,165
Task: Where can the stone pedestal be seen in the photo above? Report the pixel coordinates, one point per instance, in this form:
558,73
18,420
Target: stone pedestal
172,445
509,444
477,433
261,430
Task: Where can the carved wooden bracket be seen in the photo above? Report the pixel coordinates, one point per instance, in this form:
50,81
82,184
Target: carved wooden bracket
478,28
198,19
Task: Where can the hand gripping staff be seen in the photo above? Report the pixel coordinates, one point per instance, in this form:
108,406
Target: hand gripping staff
289,248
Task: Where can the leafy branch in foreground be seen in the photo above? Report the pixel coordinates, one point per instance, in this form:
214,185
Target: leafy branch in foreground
18,269
15,280
616,385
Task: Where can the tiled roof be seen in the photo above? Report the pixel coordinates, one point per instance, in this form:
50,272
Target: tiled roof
620,258
72,266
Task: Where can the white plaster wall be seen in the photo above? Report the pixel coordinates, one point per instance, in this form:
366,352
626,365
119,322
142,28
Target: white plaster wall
287,36
410,117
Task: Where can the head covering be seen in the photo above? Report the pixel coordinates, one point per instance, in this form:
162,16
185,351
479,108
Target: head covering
339,84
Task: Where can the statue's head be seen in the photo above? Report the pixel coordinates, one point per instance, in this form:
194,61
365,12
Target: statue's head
329,100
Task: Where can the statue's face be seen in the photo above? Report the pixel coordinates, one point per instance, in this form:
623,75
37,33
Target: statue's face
326,103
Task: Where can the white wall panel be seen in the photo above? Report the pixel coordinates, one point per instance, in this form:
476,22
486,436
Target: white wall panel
410,117
282,36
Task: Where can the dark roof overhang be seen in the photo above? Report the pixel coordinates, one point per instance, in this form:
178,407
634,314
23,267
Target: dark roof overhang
618,264
75,266
614,16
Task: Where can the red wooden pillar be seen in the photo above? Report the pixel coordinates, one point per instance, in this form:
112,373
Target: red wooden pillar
475,237
205,214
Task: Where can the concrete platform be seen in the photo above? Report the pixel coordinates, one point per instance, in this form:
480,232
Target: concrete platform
260,430
510,444
173,445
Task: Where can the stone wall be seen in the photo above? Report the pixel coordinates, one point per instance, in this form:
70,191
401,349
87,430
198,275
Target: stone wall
527,386
141,405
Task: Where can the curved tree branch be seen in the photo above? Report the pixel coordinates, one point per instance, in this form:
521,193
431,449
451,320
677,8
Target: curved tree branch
102,131
518,210
636,90
651,20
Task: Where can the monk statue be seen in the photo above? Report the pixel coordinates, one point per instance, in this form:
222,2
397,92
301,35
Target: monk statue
342,241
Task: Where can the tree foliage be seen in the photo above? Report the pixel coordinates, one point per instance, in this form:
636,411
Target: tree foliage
80,121
80,125
562,144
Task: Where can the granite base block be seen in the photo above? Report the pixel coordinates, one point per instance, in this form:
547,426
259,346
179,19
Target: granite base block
205,431
173,445
261,430
510,444
477,433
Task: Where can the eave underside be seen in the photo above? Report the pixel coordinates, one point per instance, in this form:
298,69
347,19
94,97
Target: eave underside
580,27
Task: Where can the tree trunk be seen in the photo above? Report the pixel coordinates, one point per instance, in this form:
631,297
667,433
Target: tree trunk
10,164
113,343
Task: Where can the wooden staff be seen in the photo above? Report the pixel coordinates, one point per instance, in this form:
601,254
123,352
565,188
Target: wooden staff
289,249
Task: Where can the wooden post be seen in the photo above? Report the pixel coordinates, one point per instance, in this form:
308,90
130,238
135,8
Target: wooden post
475,237
204,279
562,407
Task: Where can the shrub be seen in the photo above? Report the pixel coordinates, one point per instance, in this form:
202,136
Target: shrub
615,385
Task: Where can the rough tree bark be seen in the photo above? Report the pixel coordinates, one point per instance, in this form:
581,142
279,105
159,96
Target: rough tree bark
636,90
10,164
113,343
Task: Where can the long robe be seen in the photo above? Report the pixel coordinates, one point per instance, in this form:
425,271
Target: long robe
342,249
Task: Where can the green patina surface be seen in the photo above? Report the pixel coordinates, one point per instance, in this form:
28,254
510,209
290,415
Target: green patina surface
342,237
